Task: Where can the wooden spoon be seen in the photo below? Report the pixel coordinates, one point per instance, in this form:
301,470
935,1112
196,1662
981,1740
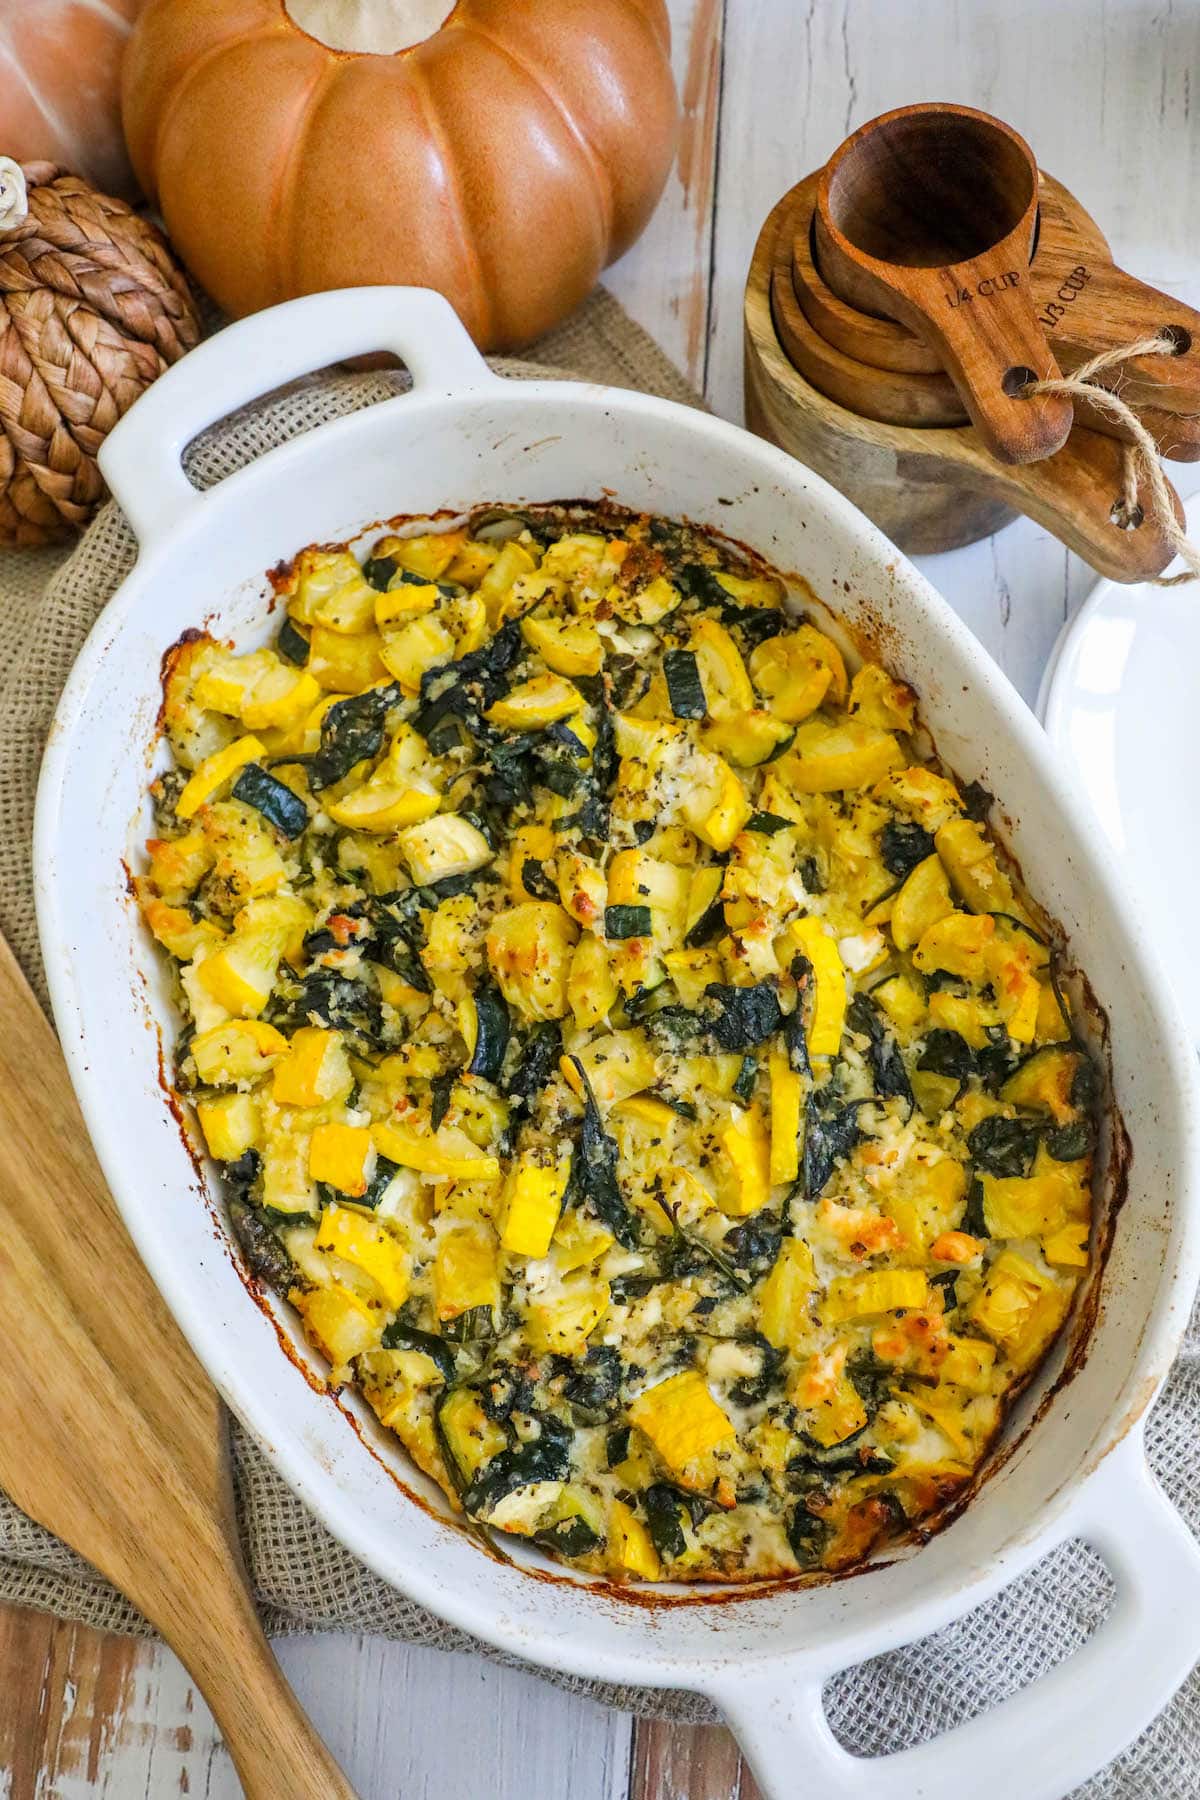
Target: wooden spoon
110,1435
927,215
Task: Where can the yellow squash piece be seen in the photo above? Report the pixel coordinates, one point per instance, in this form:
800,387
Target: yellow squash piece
231,1124
617,1065
242,1050
345,665
315,1069
533,1196
785,1297
829,759
447,1151
681,1419
381,808
214,772
787,1096
881,700
591,990
715,803
1044,1082
409,651
876,1291
443,846
534,704
746,1182
561,1320
631,1545
369,1246
814,942
727,688
466,1269
1019,1307
406,601
339,1322
566,645
529,951
958,944
343,1156
796,670
922,901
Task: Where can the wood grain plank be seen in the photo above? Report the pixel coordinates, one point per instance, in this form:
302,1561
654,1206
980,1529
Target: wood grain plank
665,280
89,1714
688,1762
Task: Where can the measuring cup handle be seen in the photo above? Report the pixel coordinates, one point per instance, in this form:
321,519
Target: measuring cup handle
1078,495
980,320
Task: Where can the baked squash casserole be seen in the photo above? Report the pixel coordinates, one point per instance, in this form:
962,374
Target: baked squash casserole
622,1042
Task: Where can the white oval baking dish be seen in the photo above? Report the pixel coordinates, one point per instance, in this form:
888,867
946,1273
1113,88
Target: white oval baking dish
462,436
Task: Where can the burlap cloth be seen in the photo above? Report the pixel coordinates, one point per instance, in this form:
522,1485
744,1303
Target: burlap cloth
305,1581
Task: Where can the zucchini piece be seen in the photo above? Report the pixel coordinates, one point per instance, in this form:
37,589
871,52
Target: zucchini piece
279,804
684,685
470,1441
627,922
292,644
492,1031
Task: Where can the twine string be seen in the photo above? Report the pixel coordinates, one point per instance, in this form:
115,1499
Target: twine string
1140,460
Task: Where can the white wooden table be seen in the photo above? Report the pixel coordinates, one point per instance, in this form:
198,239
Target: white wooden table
1104,91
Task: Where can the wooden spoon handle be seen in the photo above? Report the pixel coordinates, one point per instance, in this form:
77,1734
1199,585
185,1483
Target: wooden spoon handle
274,1747
110,1434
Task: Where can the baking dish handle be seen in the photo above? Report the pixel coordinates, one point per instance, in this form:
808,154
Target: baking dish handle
142,457
1044,1741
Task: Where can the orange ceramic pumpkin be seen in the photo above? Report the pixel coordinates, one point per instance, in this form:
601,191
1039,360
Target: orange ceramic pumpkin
502,151
60,63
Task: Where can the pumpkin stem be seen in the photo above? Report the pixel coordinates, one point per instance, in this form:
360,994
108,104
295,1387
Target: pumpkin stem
14,200
369,27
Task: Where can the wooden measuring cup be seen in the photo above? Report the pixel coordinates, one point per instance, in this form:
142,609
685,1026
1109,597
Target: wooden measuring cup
927,215
936,488
877,367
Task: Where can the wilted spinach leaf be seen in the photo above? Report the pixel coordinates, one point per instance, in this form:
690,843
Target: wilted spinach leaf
351,730
400,1336
891,1076
594,1170
744,1016
903,844
830,1133
546,1458
1003,1147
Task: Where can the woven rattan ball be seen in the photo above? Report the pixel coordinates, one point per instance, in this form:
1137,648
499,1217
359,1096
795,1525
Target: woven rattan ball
93,307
